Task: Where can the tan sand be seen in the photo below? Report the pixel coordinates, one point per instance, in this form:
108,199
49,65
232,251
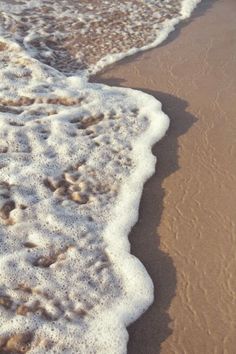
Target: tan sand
185,235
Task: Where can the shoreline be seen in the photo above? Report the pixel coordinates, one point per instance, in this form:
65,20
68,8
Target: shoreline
184,236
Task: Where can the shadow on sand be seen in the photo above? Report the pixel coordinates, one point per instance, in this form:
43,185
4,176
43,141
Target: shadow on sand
149,331
153,327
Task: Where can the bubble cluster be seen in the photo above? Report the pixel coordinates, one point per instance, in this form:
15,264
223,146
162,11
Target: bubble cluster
75,35
73,160
67,149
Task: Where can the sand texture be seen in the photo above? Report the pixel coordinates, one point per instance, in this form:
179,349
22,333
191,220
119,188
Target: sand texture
185,235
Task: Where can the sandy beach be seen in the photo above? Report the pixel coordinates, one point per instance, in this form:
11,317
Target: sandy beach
185,235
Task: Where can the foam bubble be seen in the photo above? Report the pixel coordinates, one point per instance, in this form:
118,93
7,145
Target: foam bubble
73,160
107,32
67,179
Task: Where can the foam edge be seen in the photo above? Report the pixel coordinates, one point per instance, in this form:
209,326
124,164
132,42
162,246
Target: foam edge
167,27
139,286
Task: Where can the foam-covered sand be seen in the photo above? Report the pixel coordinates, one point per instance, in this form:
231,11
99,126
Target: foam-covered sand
78,36
73,160
185,236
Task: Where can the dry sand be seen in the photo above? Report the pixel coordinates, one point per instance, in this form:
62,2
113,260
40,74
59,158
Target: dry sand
185,235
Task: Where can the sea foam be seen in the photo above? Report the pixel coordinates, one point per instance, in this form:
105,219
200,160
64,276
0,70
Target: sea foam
73,160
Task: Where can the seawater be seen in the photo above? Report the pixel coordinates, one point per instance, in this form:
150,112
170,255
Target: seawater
73,160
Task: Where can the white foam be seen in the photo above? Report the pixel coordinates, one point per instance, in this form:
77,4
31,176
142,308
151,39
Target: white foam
106,34
73,160
65,259
188,6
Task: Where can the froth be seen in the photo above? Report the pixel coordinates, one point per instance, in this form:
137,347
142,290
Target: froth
73,160
81,34
72,155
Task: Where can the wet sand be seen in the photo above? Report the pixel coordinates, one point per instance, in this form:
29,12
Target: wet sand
185,235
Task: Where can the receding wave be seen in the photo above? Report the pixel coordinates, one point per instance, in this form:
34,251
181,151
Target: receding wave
73,160
77,35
